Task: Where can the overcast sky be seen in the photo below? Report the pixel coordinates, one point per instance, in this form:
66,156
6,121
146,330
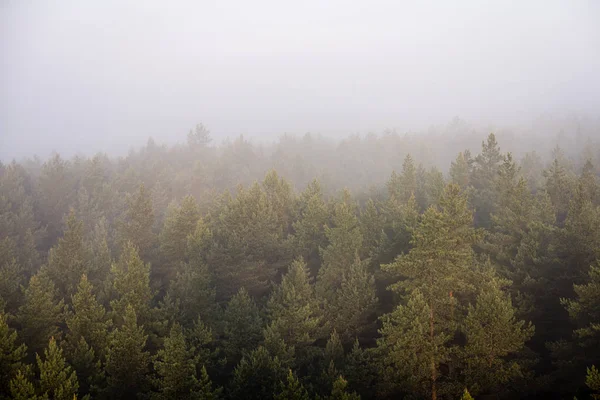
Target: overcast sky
105,75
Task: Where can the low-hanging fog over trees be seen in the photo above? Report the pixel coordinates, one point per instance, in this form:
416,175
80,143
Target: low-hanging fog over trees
382,266
311,200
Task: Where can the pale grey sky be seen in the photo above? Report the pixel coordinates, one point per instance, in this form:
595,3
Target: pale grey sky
105,75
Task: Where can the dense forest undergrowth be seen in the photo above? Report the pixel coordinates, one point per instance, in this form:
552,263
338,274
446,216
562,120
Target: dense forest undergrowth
243,272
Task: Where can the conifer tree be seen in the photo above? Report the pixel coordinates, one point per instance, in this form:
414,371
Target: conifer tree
87,336
11,278
100,257
180,222
41,314
127,362
405,185
68,260
361,369
242,326
131,283
57,379
291,389
584,310
339,391
11,354
592,380
176,369
309,228
292,307
438,268
466,395
354,302
137,226
371,227
21,388
257,376
193,286
345,241
558,185
460,171
484,175
494,336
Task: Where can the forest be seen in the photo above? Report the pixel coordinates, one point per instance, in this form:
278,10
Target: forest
375,267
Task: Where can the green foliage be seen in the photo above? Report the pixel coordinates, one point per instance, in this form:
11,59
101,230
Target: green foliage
11,354
345,242
291,389
127,361
39,317
21,388
339,391
136,228
466,395
176,368
592,380
355,301
131,284
493,337
180,222
242,326
68,260
292,308
257,376
57,379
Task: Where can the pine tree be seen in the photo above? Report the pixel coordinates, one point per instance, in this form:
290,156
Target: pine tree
494,336
354,303
438,267
403,186
292,307
309,228
176,369
40,315
371,227
180,222
87,336
68,260
193,286
100,257
585,312
291,389
558,185
57,379
361,369
484,175
460,171
11,354
127,362
131,283
412,347
466,395
257,376
21,388
242,326
339,391
345,241
592,380
11,278
137,226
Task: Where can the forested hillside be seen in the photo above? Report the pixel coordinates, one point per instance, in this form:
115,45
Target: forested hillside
378,267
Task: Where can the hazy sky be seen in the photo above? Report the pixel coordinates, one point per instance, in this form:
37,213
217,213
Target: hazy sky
105,75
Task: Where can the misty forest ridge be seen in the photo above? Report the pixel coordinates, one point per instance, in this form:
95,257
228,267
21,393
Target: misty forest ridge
247,272
376,200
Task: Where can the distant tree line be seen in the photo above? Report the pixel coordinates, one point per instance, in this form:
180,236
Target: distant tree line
242,272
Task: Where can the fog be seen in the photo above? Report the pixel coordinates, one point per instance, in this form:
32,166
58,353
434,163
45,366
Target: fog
104,76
